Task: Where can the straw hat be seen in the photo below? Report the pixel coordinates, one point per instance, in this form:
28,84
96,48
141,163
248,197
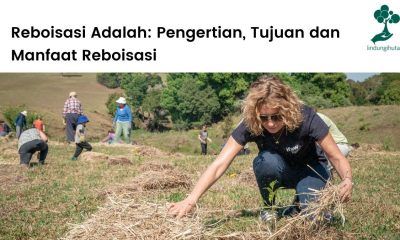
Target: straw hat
73,94
25,113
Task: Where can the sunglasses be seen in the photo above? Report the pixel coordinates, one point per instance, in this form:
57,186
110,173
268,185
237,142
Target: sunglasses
273,118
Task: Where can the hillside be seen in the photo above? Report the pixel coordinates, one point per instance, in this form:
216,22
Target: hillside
366,124
46,93
369,124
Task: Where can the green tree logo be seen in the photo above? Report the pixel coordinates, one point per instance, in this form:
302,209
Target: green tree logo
383,15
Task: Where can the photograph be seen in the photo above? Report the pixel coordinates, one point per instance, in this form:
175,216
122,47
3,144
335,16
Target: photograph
199,155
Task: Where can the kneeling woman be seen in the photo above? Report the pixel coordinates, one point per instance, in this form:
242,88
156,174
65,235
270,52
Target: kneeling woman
286,133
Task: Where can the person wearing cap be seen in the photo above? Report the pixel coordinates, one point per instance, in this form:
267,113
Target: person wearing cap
29,142
80,137
122,121
72,110
20,123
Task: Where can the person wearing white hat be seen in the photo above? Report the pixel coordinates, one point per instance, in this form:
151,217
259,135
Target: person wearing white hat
122,121
20,123
72,110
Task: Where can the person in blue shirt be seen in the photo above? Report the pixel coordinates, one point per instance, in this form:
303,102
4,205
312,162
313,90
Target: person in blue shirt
20,123
122,121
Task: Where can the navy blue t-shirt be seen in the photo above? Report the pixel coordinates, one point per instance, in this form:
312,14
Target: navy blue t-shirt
297,147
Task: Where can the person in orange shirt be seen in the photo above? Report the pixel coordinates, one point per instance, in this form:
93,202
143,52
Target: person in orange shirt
39,125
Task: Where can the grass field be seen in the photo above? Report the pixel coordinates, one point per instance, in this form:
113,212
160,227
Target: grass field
43,202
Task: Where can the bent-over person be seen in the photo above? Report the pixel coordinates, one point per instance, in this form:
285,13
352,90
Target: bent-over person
29,142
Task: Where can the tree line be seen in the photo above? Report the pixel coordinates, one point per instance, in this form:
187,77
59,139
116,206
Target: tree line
186,100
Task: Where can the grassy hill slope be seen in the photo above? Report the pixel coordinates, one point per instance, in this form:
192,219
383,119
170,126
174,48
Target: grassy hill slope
368,124
46,93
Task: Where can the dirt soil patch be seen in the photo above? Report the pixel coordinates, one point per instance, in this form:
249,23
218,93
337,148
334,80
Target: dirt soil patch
11,175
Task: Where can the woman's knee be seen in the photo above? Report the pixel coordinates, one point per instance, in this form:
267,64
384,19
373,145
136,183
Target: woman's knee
268,165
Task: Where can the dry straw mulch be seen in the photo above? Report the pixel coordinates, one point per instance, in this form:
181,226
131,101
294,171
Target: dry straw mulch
94,156
101,157
152,181
9,152
155,166
127,218
143,150
313,223
128,215
119,160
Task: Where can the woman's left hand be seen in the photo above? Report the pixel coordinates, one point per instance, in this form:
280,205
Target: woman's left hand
346,188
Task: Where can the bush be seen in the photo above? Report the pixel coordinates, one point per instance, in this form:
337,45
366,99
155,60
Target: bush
111,104
110,80
11,113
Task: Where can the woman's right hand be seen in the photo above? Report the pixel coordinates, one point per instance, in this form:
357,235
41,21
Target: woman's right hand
181,208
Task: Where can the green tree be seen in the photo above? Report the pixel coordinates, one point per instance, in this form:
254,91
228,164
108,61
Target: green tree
136,85
229,87
110,80
189,101
358,93
153,116
392,93
333,86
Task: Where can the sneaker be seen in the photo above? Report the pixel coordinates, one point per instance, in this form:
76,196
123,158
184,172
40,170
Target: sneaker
268,216
74,158
325,218
328,217
290,211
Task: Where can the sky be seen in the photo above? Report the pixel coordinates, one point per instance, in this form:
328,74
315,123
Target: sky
359,77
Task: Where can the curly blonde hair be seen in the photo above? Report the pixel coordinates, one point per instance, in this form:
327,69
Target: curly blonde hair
272,92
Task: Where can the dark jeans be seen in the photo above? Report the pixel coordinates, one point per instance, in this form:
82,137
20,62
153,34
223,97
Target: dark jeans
269,167
28,149
71,120
203,149
80,147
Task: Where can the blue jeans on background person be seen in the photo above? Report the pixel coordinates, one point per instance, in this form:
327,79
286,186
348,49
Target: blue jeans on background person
269,167
18,131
